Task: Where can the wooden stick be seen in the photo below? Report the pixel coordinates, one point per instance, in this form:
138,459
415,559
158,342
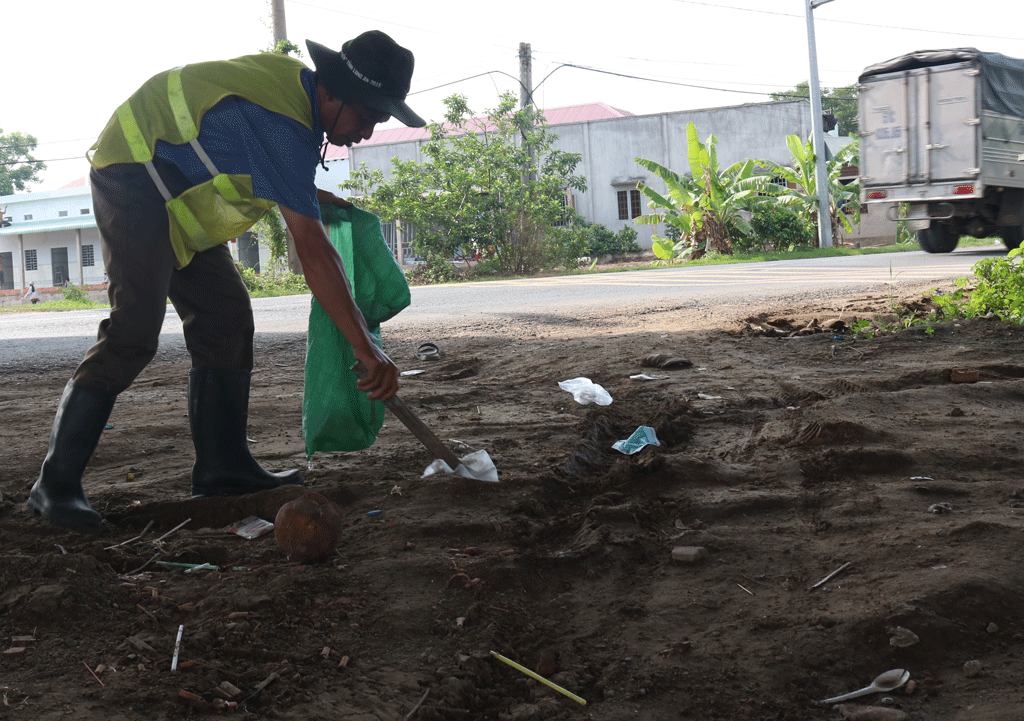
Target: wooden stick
750,592
418,704
829,576
180,525
125,543
155,555
143,609
93,674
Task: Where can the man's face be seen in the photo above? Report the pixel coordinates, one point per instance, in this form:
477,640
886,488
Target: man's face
355,123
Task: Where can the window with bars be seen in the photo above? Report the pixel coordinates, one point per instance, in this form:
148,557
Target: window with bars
62,214
30,260
566,213
629,204
28,217
85,211
88,257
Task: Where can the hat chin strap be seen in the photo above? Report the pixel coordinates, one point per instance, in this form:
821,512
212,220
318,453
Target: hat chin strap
327,140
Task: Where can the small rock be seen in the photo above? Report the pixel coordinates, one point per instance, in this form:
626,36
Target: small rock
903,637
909,688
871,713
992,628
956,413
940,508
964,375
688,554
972,668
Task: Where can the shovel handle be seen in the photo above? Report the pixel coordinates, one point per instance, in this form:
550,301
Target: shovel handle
414,424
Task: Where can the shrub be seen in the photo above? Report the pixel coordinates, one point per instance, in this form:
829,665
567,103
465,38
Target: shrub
269,285
74,293
602,241
776,228
436,269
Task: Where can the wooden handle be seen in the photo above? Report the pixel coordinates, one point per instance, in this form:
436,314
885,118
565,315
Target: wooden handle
418,428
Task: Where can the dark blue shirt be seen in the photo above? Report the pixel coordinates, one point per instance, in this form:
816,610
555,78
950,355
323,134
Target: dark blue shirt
243,138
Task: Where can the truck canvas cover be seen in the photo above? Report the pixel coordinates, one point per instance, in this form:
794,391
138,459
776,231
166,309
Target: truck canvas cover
1002,78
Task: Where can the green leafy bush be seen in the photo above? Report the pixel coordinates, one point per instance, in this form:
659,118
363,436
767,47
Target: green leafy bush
269,285
436,269
602,241
776,228
998,289
74,293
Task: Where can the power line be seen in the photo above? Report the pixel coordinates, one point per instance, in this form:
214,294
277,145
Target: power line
46,142
33,162
635,77
846,22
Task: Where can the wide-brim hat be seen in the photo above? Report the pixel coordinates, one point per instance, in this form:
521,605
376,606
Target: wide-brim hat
371,70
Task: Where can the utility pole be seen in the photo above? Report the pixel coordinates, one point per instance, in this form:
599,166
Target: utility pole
525,76
526,98
280,27
821,176
281,33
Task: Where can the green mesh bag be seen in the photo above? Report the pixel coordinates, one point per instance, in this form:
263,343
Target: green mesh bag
337,416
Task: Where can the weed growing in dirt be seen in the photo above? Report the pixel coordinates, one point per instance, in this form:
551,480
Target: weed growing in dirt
995,290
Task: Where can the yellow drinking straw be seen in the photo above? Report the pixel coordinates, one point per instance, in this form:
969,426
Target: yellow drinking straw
540,678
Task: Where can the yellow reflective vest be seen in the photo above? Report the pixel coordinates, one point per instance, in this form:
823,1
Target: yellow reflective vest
170,107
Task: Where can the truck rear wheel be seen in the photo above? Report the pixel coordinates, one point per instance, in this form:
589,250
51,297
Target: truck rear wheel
938,238
1012,236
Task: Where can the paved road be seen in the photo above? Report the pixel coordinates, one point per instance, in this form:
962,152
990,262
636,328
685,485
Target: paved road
64,337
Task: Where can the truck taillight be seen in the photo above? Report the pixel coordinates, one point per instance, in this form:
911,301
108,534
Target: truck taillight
877,195
963,190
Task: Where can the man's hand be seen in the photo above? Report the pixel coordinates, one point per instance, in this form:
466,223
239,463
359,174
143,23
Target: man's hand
326,277
381,379
326,197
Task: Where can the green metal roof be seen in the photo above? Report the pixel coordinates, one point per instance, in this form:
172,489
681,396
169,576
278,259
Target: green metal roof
48,226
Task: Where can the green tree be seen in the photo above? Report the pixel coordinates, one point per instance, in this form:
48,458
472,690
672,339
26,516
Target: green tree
492,188
17,166
271,232
840,103
706,209
801,194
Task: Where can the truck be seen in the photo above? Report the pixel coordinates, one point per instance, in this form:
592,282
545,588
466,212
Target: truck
942,143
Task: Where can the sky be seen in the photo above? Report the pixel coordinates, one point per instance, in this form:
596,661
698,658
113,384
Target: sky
69,64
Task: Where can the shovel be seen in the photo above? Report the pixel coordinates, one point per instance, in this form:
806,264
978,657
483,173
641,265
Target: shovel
476,465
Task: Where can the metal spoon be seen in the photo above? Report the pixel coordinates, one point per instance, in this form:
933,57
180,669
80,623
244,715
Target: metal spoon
888,681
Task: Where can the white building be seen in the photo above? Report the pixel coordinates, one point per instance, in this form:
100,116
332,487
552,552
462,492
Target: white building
52,239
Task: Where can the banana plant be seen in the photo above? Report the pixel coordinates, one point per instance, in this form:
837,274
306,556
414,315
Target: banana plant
802,194
707,208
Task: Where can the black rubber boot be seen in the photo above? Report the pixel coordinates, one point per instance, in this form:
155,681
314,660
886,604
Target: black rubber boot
57,495
218,410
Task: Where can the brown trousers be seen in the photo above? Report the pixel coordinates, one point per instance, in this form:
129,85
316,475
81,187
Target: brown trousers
208,294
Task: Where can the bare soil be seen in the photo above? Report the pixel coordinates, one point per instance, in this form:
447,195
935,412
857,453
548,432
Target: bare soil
786,457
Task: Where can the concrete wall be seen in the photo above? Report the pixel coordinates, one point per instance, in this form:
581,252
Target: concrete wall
610,147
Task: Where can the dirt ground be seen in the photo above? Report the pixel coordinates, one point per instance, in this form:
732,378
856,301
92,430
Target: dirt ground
785,457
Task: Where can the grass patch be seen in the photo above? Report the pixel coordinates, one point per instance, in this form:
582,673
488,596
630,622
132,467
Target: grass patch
55,305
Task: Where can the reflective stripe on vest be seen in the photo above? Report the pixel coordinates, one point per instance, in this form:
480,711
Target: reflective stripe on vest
182,218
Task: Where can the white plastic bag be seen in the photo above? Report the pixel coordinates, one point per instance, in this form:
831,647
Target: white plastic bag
585,391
